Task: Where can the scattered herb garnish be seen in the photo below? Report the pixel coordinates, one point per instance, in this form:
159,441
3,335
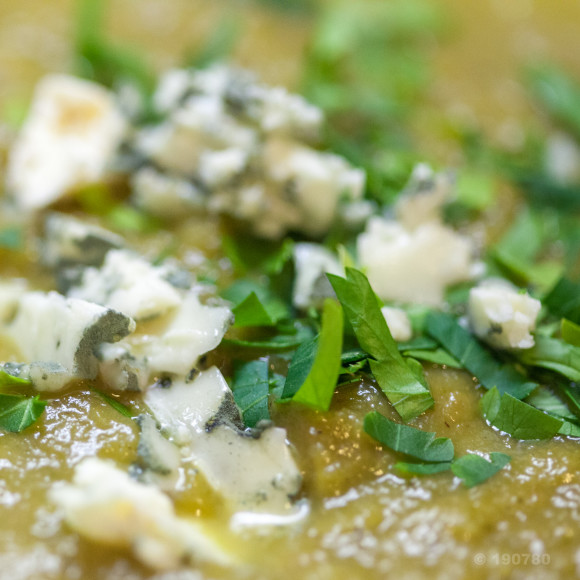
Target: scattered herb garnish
408,440
8,380
18,412
409,395
473,469
251,389
115,403
517,418
320,383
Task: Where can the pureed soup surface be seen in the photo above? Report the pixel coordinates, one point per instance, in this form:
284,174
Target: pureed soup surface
366,519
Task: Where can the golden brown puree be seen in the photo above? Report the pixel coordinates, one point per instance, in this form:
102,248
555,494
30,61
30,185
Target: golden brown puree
366,521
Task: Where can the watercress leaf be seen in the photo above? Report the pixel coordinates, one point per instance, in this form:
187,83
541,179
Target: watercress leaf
278,342
473,469
544,400
555,355
570,332
407,394
517,418
251,388
116,404
319,385
300,366
8,380
564,300
472,355
17,412
254,304
422,468
419,343
569,429
437,356
353,356
408,440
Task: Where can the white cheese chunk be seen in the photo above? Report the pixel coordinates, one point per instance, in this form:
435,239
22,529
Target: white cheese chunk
106,506
72,131
313,181
413,267
129,284
398,323
423,198
253,470
193,330
312,263
503,316
69,242
60,336
165,195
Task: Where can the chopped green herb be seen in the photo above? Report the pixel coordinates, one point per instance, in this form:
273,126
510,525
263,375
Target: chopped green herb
8,380
17,412
476,358
559,94
126,218
517,418
564,300
437,356
279,342
320,383
408,440
475,190
249,254
473,469
570,332
544,400
422,468
254,305
407,394
300,366
115,403
251,389
555,355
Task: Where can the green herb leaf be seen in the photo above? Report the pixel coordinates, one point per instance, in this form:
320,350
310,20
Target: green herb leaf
564,300
437,356
555,355
570,332
407,394
517,418
251,389
8,380
17,413
473,469
475,190
475,358
254,305
408,440
300,366
115,403
279,342
544,400
320,383
422,468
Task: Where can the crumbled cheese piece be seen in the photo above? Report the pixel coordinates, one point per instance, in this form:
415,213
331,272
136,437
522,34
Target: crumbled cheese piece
106,506
413,267
199,126
73,129
66,332
313,262
159,459
503,316
165,195
120,369
313,181
129,284
217,168
70,242
253,470
562,158
193,330
398,323
424,196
